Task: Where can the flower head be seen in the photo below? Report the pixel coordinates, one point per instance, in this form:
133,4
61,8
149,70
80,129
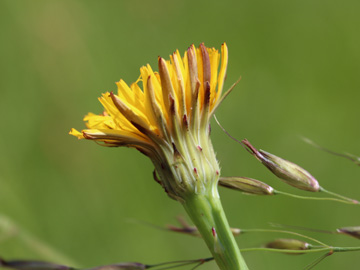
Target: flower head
167,118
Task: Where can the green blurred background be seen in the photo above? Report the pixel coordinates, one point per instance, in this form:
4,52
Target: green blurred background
299,62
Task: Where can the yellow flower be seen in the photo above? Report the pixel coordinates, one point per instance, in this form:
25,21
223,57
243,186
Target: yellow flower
166,115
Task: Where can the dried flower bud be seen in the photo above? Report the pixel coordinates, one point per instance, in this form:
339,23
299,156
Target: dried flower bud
351,231
32,265
246,185
287,171
291,244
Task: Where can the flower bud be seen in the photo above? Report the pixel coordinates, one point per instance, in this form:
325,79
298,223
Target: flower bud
287,171
351,231
291,244
246,185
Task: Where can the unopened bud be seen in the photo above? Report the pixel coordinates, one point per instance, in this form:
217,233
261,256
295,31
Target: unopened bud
287,171
246,185
351,231
290,244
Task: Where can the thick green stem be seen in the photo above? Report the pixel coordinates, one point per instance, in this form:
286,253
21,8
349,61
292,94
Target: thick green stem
208,215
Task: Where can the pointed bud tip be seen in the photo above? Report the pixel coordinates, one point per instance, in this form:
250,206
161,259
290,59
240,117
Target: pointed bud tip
251,149
351,231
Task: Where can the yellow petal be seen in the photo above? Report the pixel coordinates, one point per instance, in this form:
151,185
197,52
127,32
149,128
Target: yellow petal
76,133
223,68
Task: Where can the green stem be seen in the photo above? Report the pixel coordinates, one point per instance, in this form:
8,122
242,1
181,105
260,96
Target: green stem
314,198
286,250
287,232
208,215
339,196
334,249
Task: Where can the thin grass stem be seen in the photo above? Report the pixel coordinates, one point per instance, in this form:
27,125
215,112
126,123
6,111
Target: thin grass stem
313,198
287,232
352,201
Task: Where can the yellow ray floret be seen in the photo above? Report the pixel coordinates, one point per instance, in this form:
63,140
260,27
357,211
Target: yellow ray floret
184,92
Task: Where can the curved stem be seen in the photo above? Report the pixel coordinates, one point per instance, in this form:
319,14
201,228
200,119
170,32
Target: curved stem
208,215
352,201
334,249
286,250
287,232
313,198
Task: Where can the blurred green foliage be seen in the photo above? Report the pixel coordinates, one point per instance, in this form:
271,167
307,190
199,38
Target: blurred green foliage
299,62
